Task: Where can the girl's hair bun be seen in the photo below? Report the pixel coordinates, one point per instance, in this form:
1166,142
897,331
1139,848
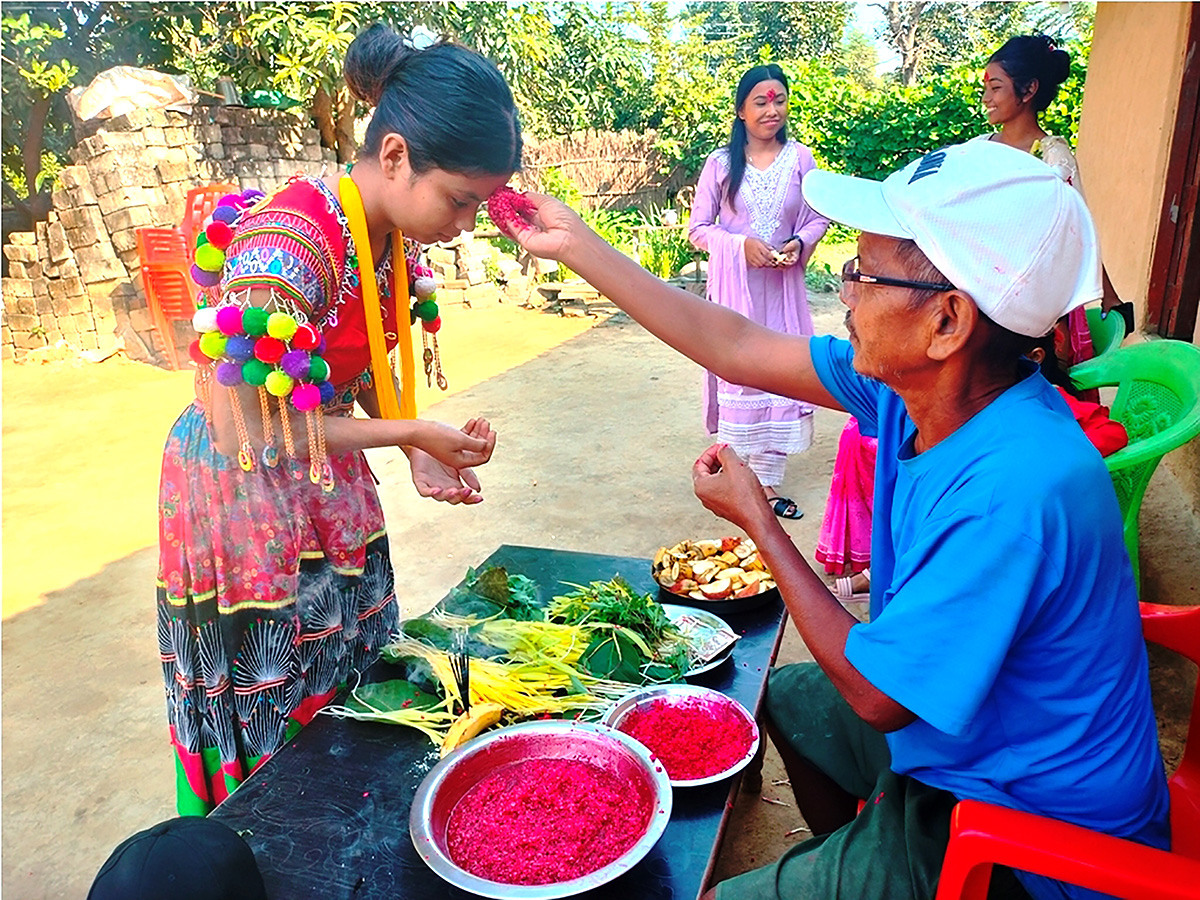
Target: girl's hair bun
372,60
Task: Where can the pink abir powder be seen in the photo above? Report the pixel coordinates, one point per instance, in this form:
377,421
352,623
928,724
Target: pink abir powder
543,821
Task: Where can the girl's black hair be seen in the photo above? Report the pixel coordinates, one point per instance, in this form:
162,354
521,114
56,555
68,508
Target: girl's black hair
452,106
737,137
1033,57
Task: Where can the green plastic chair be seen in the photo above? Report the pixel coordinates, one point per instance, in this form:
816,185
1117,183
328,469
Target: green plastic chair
1158,402
1107,332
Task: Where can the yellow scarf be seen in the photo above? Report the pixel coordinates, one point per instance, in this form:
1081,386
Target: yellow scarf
381,369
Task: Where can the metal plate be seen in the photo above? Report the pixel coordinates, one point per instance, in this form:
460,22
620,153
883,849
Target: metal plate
673,612
453,776
644,696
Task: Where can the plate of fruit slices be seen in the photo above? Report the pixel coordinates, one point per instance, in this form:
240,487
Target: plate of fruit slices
721,575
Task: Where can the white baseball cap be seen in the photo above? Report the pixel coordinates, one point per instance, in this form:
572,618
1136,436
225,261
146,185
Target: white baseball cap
999,223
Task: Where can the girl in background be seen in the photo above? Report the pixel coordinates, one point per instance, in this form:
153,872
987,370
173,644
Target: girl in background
759,233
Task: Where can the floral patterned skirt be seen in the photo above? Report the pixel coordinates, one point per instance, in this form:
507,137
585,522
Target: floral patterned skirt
271,593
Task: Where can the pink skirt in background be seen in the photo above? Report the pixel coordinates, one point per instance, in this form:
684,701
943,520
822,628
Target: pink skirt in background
844,545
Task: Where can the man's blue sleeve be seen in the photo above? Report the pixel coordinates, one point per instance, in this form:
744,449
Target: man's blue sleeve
833,360
955,606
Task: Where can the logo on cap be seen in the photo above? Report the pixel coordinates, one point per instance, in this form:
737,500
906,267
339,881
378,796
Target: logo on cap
929,164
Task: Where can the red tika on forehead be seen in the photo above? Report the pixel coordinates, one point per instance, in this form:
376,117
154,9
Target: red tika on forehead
772,94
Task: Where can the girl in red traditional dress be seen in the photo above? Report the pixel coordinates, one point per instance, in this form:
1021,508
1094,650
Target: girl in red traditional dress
274,587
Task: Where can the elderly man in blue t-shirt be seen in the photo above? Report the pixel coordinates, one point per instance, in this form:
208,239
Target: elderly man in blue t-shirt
1004,659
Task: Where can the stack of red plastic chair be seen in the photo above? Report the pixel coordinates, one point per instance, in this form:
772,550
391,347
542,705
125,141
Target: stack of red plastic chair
170,294
982,835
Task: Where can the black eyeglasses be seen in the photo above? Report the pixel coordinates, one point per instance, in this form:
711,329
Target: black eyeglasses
850,273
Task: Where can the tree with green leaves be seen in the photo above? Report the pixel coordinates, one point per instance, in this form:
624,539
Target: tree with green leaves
31,83
801,30
932,37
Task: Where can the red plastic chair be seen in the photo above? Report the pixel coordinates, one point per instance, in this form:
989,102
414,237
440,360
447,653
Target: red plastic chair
170,295
162,246
982,835
170,292
198,204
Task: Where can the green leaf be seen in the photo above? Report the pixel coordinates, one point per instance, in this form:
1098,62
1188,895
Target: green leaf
611,654
390,696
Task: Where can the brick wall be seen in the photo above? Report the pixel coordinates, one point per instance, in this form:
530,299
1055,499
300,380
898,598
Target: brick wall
75,278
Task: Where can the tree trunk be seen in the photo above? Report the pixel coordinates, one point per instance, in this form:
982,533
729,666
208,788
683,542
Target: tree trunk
346,145
902,21
31,158
322,112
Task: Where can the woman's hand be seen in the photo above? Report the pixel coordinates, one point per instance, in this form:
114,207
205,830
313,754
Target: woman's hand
441,482
791,253
758,254
556,230
729,488
455,448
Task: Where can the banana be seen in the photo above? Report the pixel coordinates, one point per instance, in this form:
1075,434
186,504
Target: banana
469,724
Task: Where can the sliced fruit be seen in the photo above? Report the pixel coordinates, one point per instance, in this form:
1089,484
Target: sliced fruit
729,558
469,724
718,589
734,574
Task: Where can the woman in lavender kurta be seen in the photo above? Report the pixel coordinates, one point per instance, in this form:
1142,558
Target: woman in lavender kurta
759,233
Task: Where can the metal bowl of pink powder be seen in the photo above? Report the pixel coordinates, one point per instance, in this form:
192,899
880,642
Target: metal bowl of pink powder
698,734
540,810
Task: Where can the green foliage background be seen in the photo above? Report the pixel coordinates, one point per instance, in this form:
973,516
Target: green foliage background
572,66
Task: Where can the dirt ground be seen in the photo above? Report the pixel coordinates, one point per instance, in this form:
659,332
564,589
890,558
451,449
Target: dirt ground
598,428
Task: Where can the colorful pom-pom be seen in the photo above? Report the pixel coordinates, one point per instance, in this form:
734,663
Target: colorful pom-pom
209,258
269,349
213,344
252,195
318,369
427,310
226,214
229,374
278,383
424,286
199,357
306,337
295,363
201,238
328,391
306,397
281,325
254,321
219,235
229,320
233,201
240,347
205,279
205,320
433,326
255,372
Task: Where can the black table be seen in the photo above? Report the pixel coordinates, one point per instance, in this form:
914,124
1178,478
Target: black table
327,816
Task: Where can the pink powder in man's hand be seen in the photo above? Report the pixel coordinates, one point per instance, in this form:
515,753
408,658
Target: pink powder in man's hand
508,208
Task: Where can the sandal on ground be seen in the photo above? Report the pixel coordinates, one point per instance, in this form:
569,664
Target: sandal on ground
843,588
785,507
